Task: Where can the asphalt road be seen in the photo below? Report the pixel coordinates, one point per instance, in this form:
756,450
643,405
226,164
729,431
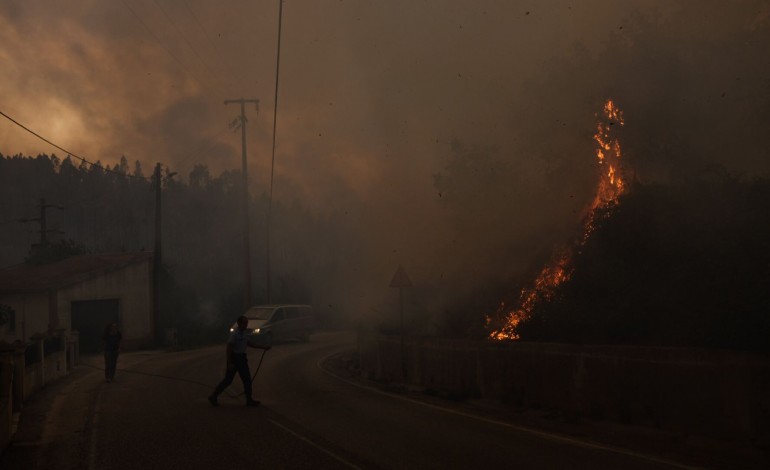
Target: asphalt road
156,416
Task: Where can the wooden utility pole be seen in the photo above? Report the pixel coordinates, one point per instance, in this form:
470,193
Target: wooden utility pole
245,202
43,224
157,258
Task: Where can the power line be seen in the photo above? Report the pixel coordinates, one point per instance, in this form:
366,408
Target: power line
81,201
189,44
213,45
275,107
72,154
215,141
245,201
160,43
272,162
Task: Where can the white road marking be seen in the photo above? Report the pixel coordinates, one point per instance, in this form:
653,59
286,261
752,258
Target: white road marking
93,432
308,441
542,434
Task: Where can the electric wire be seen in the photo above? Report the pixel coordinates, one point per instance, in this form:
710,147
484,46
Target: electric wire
150,374
174,56
215,141
219,54
80,201
181,379
160,43
72,154
157,39
272,163
275,107
189,44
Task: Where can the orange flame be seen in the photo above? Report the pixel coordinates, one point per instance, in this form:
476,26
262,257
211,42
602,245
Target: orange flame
612,184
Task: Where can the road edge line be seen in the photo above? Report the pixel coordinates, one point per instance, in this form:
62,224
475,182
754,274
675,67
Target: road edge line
542,434
317,446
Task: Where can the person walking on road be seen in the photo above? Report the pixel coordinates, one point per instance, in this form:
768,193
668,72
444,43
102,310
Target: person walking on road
237,362
111,342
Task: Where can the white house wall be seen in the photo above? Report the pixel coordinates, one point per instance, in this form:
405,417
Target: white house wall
131,286
32,316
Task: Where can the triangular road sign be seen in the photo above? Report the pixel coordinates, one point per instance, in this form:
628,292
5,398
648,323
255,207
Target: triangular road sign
400,279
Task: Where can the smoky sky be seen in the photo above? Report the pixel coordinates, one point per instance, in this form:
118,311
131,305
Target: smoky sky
381,100
365,86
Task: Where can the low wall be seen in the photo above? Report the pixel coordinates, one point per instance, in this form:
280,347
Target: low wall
47,358
703,392
6,398
50,358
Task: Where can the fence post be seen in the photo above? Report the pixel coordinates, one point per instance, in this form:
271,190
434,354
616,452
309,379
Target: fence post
19,372
6,402
74,347
41,354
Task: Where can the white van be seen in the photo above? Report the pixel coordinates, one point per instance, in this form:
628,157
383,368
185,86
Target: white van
271,323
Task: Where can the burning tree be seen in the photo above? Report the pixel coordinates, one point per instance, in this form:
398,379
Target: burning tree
613,182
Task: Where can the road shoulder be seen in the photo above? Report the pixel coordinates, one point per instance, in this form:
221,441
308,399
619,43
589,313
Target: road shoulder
57,423
54,424
667,446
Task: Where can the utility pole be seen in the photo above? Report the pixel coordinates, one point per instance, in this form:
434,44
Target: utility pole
43,224
245,202
157,258
157,254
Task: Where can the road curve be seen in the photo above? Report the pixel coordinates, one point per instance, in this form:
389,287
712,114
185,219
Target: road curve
156,416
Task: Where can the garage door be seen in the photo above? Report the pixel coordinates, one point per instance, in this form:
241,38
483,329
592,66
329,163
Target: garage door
90,317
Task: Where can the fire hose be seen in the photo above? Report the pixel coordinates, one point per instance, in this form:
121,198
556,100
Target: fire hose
180,379
264,350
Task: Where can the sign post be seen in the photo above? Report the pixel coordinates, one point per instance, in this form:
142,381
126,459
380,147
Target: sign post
401,281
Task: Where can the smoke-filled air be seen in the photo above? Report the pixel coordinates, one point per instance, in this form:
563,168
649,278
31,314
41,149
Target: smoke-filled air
588,171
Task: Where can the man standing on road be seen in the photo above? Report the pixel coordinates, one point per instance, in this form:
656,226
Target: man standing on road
237,362
111,343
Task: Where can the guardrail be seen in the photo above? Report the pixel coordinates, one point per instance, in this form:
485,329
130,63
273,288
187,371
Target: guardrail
716,393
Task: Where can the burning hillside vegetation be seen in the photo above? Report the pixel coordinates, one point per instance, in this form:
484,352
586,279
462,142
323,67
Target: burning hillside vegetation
613,182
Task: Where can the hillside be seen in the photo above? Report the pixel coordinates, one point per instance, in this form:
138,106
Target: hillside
673,266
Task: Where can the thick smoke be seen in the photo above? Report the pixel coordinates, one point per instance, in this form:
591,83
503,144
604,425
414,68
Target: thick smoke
451,137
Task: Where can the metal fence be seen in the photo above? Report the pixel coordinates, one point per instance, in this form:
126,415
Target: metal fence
32,354
52,345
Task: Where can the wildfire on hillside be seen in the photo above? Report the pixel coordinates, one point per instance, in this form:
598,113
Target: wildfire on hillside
612,184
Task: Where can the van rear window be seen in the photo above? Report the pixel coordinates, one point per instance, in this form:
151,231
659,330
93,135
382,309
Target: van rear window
299,312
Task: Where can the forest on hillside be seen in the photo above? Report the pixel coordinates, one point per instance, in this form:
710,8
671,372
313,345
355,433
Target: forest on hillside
684,264
96,209
670,265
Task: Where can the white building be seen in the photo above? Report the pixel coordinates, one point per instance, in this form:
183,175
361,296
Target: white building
83,294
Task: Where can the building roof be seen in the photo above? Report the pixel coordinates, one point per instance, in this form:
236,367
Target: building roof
29,278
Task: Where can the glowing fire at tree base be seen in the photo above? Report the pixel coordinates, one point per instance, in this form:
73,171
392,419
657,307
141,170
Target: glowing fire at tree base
612,184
